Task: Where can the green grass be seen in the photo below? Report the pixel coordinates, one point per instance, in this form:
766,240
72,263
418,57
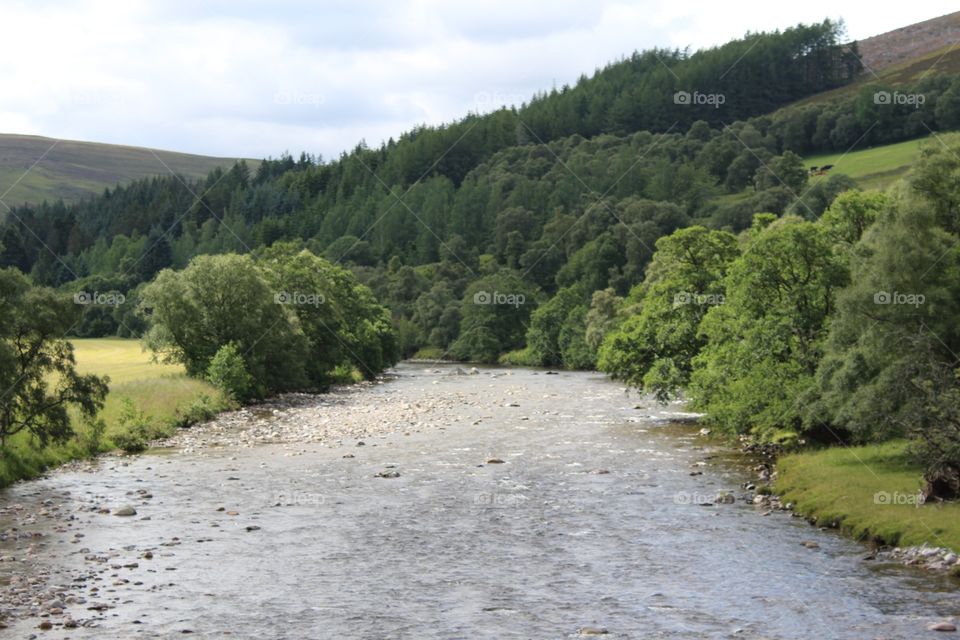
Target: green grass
874,168
164,393
871,491
72,169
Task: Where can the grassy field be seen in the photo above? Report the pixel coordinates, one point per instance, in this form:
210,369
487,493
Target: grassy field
163,394
72,170
874,168
872,491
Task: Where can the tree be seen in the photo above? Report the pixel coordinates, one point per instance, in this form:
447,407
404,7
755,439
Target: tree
38,373
220,300
764,343
654,347
546,323
495,314
342,322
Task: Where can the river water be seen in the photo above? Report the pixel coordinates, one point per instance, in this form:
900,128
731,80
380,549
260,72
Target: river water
592,522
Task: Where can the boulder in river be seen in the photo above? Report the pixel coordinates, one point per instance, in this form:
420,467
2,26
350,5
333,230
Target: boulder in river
388,473
125,511
941,626
725,497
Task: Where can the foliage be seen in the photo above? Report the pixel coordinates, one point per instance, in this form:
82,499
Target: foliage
654,347
38,373
228,372
763,344
219,300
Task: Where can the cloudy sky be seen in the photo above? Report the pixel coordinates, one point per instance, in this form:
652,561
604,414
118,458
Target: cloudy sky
239,78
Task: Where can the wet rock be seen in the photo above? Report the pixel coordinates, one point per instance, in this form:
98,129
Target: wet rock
941,626
600,472
724,497
494,461
388,473
125,511
252,527
810,544
592,631
46,625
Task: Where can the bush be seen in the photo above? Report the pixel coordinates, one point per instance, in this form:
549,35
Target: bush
228,372
135,430
201,409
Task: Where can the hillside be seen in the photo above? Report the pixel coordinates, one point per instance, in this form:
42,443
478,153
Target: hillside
915,41
70,169
905,55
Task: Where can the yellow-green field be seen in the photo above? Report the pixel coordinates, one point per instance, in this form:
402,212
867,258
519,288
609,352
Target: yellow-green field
871,491
874,168
163,393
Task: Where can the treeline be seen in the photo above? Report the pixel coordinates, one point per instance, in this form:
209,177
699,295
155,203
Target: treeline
441,215
840,329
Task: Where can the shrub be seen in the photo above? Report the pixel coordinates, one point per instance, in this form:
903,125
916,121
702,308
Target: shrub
228,372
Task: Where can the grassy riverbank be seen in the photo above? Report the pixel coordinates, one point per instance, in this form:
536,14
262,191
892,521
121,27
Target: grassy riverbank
871,491
166,397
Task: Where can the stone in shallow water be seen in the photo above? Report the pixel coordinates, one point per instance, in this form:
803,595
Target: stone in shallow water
125,510
941,626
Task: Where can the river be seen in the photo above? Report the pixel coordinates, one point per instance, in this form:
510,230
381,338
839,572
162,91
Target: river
592,523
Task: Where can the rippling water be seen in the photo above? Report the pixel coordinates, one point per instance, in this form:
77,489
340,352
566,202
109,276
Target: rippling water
540,546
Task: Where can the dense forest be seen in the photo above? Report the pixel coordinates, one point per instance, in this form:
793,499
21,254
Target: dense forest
655,220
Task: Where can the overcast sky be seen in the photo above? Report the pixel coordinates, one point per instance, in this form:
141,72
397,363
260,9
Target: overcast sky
253,79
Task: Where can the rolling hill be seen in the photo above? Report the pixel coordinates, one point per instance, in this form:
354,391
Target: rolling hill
35,168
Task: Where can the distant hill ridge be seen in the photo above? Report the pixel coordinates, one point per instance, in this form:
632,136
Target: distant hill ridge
913,41
71,169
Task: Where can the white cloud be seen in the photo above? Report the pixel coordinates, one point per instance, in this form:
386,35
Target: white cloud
254,79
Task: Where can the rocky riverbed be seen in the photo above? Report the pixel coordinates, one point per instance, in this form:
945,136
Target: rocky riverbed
437,504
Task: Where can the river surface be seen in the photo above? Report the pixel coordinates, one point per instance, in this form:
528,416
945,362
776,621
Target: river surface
592,522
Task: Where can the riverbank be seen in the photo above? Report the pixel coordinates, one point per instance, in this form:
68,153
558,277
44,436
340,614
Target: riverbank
147,400
872,493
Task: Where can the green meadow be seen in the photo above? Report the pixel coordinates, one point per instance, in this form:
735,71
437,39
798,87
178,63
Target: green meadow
147,400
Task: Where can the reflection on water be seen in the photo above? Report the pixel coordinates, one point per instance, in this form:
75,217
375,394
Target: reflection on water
591,522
